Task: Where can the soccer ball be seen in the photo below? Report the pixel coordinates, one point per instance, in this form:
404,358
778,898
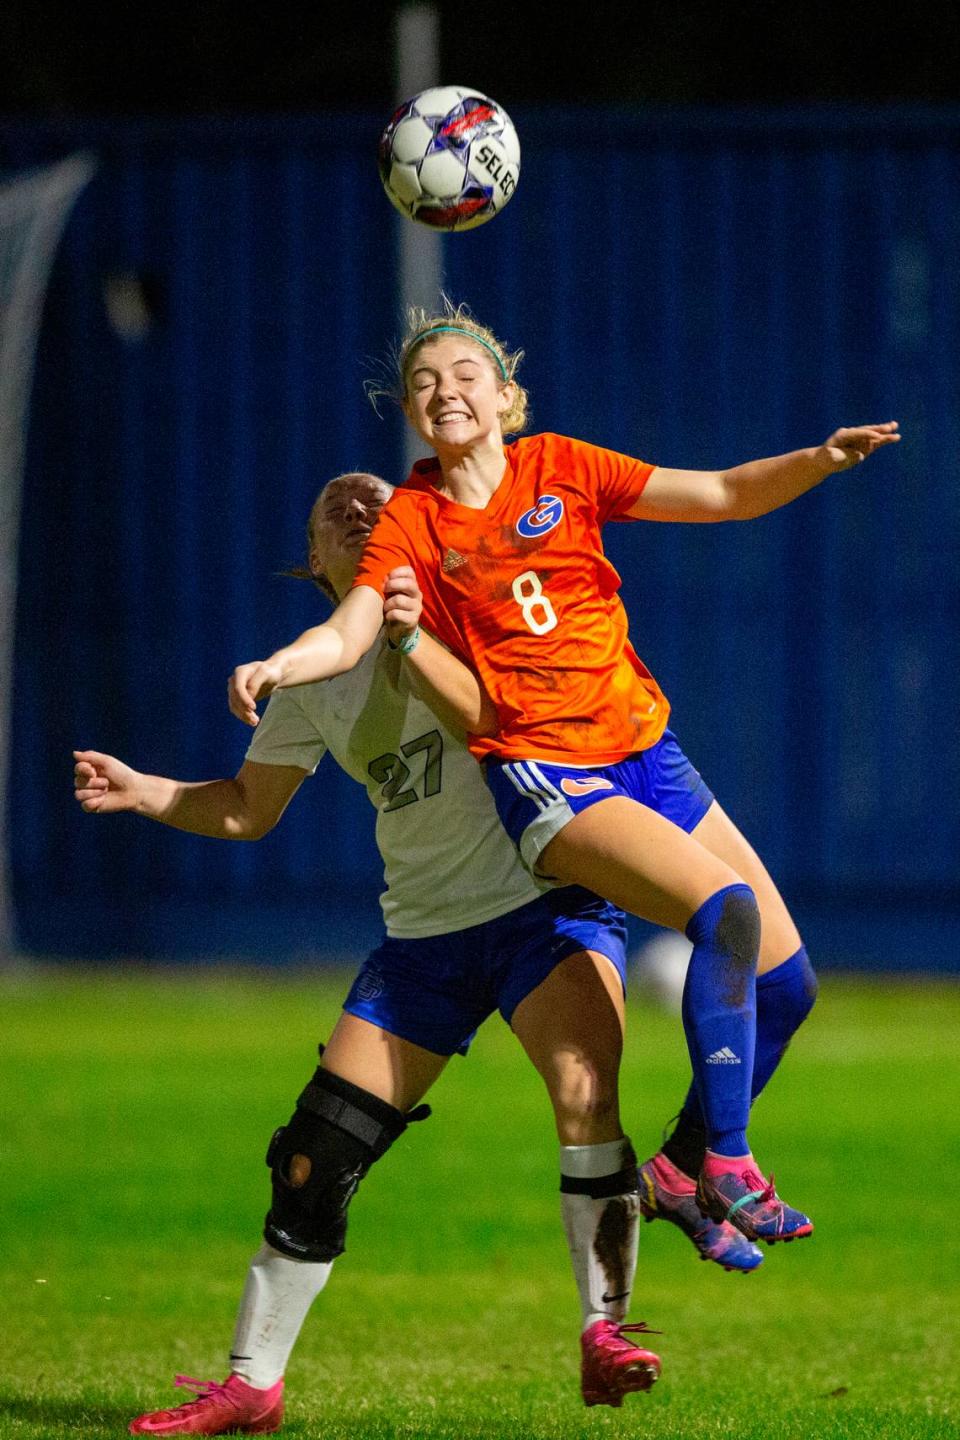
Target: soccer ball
660,969
450,158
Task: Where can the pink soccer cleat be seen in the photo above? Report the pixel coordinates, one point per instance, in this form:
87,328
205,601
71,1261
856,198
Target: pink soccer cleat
733,1190
666,1193
613,1366
233,1408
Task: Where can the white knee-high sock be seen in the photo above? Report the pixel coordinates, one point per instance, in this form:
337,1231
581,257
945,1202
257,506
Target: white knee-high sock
276,1297
601,1212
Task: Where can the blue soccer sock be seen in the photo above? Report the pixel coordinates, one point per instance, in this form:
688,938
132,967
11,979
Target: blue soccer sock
785,997
719,1013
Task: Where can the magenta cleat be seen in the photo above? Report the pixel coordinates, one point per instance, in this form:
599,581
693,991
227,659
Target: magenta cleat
733,1189
666,1193
233,1408
613,1366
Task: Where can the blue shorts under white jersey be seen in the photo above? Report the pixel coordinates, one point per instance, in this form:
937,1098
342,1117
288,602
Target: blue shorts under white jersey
535,799
437,991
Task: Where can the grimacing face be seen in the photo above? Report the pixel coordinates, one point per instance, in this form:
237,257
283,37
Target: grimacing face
343,517
455,397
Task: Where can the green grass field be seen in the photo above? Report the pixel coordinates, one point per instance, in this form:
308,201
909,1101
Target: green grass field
136,1113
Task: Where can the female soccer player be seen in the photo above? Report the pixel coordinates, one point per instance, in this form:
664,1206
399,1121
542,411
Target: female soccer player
468,931
587,779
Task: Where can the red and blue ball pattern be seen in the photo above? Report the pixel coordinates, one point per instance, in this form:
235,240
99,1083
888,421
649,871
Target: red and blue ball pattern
450,158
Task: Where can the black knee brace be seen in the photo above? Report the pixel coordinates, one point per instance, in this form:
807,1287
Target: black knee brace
342,1130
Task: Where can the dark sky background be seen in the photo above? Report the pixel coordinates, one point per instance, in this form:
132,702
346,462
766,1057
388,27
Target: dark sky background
221,56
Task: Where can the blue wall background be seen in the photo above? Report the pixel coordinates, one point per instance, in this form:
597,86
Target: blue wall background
693,287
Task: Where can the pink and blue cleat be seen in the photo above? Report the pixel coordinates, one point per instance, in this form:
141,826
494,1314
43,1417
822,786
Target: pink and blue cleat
233,1408
733,1190
666,1193
613,1366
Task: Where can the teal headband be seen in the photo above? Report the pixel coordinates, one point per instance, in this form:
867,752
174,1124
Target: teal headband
458,330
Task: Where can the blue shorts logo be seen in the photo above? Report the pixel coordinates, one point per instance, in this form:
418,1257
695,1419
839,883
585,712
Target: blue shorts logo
547,513
369,985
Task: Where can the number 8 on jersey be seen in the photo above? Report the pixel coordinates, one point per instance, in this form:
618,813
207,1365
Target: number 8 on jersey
537,610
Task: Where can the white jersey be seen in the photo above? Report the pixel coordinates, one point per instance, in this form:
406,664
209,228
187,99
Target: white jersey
448,862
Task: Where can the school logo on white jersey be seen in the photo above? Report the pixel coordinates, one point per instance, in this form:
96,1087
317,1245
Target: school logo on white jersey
545,515
584,785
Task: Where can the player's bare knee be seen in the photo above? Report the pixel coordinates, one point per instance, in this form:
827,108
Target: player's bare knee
585,1101
297,1171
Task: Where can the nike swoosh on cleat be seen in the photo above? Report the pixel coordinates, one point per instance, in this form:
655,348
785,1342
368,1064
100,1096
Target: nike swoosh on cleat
609,1299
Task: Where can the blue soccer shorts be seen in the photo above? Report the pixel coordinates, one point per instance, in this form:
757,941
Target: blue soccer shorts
437,991
536,798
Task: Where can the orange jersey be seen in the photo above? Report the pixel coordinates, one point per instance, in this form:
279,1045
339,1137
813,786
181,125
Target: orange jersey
523,592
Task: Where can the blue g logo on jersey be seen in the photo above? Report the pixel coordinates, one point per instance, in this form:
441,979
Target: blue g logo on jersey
547,513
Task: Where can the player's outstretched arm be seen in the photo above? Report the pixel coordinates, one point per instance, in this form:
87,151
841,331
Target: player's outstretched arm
320,652
759,486
452,691
243,808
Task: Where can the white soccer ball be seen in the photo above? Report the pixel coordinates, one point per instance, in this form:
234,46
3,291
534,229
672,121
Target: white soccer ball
660,969
450,158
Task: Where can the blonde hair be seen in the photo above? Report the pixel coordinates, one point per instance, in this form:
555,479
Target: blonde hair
422,326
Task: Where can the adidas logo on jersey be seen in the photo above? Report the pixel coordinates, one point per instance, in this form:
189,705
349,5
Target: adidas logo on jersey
723,1056
451,559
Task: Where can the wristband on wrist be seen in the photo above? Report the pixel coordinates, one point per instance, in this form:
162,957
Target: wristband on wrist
408,643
